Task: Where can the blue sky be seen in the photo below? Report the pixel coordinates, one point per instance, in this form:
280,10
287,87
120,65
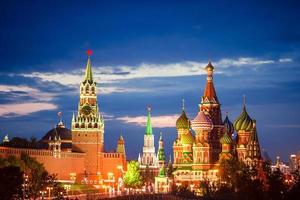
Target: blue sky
151,53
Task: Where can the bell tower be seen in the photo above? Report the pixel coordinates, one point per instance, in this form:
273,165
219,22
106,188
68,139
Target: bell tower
88,124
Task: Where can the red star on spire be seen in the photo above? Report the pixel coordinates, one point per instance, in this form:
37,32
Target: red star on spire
89,52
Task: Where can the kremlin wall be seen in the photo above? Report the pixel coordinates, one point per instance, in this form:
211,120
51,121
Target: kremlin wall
78,154
200,145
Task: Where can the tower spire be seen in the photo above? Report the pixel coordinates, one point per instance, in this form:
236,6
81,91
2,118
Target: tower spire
183,104
88,71
210,95
149,125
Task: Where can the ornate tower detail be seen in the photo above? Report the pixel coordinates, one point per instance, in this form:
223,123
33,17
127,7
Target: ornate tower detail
253,149
210,105
243,126
88,124
161,152
226,143
148,156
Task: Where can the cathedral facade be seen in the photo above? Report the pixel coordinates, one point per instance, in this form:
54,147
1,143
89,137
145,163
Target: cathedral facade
79,154
203,142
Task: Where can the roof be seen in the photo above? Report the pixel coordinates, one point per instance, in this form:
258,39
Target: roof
183,121
59,132
210,92
187,138
202,121
149,125
244,121
225,139
88,71
228,126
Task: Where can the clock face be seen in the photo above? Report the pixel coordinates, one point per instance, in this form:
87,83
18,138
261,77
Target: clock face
86,110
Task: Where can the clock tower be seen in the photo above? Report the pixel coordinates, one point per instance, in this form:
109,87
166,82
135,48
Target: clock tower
88,124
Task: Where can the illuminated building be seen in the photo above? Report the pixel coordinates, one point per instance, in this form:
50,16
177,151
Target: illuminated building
79,154
203,142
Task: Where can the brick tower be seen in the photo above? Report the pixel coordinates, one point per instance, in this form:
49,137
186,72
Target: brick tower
88,124
210,105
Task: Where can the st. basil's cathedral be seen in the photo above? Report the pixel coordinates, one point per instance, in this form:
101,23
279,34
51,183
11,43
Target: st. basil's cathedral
202,143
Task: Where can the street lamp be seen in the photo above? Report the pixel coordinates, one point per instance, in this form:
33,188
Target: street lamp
49,191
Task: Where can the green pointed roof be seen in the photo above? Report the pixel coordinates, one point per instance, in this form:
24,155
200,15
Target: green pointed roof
149,126
88,71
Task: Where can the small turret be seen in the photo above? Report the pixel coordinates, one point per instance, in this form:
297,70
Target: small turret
161,152
121,145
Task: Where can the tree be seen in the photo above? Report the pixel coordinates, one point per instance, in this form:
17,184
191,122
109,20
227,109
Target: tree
11,179
148,176
277,189
133,177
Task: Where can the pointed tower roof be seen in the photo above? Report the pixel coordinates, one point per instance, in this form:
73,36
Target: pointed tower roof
149,125
210,95
88,71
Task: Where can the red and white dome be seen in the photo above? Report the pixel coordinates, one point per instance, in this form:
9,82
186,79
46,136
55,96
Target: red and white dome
202,122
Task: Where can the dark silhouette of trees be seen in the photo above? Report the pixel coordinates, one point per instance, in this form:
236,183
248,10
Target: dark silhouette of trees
11,179
34,176
18,142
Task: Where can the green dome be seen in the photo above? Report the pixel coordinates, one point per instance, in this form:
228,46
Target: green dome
187,138
225,139
183,121
243,122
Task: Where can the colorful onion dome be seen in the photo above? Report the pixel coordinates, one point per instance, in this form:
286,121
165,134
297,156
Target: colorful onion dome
183,121
187,138
228,126
202,121
243,122
225,139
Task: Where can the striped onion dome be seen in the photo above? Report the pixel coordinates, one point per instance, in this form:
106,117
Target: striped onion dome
187,138
228,126
183,121
202,121
225,139
243,122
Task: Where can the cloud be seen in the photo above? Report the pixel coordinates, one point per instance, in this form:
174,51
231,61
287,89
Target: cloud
162,121
106,75
285,60
243,61
12,110
19,91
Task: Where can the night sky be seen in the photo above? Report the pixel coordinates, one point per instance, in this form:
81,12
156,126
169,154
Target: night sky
151,53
